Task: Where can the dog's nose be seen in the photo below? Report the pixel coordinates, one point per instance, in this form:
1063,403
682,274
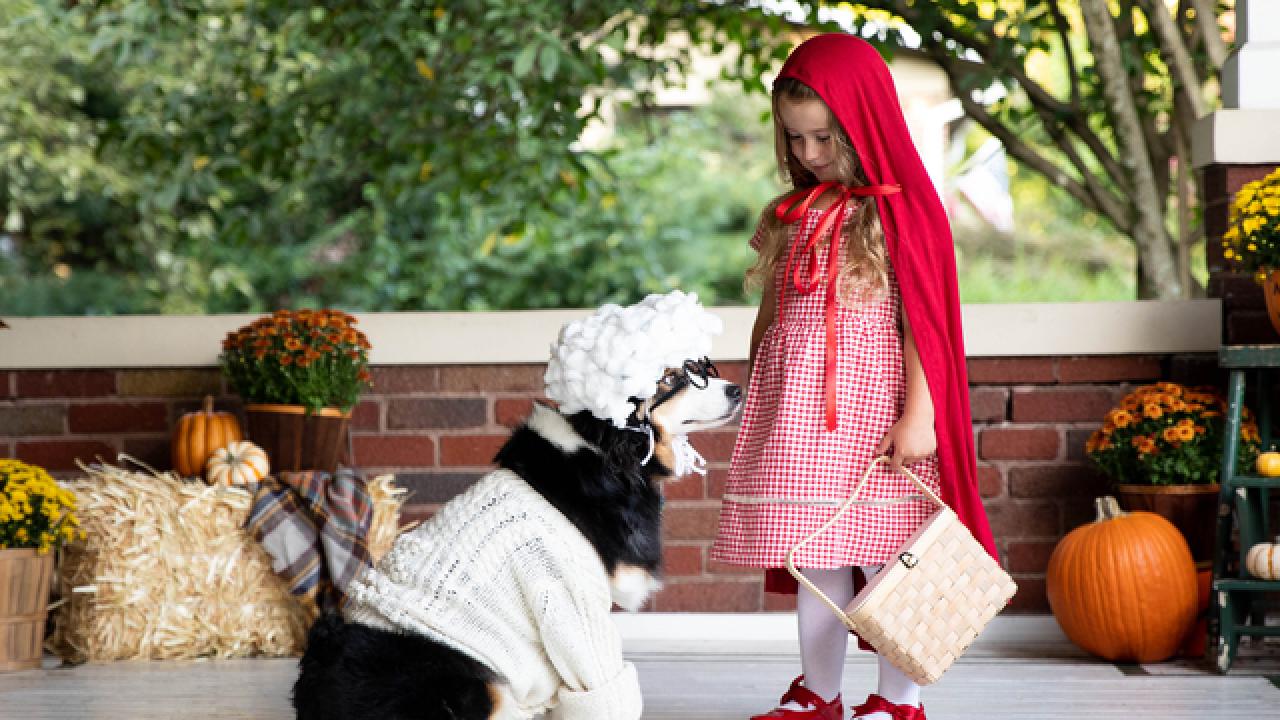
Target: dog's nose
734,392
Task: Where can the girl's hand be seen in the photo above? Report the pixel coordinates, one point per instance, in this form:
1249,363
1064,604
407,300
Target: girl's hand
911,439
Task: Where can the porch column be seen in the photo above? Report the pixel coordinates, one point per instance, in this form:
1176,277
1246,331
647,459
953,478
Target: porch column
1235,145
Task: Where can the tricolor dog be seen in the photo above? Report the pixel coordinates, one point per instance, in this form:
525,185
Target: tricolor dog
498,607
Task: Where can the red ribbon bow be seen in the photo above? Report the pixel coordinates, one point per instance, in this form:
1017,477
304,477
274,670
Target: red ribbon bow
793,209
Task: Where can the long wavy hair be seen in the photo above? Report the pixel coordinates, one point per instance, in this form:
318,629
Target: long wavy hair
865,273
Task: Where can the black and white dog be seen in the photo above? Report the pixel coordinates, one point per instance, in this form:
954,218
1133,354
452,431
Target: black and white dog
394,658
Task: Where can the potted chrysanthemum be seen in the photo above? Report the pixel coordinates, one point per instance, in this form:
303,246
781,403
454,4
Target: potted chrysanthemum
299,373
1252,239
36,516
1162,446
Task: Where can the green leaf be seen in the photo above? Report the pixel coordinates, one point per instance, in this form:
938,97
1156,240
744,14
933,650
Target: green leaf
524,61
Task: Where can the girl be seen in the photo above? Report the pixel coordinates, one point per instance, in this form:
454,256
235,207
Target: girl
856,352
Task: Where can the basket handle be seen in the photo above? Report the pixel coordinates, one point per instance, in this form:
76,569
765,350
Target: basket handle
850,502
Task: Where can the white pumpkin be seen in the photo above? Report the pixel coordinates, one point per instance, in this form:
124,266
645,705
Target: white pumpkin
240,463
1263,561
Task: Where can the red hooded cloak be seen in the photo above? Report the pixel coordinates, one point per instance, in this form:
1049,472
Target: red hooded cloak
854,81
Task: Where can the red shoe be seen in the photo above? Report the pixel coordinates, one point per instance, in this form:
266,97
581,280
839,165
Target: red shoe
815,707
875,704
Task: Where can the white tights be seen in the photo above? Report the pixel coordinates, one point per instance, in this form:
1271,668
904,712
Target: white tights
824,640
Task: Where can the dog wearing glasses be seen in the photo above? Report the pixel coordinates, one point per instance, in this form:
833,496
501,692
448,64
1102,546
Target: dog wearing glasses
498,607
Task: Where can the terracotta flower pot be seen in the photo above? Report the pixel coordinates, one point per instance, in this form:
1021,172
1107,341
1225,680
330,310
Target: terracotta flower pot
297,440
1271,291
1191,508
24,602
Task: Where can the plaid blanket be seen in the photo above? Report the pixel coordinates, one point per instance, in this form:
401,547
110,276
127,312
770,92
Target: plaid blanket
313,525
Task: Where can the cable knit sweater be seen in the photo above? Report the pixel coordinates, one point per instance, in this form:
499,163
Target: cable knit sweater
500,575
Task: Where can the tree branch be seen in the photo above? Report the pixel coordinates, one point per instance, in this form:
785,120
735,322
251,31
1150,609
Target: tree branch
1157,266
1214,46
1176,55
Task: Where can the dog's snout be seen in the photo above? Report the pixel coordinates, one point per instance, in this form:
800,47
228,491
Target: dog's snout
733,392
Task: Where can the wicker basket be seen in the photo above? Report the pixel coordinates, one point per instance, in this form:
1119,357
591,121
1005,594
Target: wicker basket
24,597
922,610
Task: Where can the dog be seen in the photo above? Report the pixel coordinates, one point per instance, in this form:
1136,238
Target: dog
498,607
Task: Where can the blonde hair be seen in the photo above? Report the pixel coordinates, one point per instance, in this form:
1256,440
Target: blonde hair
865,272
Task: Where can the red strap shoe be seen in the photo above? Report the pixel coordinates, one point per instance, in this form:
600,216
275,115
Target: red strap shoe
815,708
875,704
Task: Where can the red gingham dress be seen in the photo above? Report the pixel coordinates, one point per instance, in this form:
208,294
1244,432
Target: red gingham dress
788,473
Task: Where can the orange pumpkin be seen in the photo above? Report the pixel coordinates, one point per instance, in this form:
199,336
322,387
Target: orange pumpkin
198,434
1269,463
1124,586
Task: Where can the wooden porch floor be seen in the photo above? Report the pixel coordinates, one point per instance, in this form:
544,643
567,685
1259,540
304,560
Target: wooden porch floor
1014,673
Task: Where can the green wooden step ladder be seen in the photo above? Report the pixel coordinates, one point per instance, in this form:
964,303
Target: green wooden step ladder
1243,508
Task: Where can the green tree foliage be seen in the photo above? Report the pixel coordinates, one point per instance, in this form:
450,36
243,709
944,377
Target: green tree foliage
228,155
1099,97
236,155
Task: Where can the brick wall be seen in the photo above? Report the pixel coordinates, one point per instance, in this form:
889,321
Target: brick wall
437,427
1244,311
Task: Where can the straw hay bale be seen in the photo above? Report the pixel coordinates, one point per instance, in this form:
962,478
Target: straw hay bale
167,572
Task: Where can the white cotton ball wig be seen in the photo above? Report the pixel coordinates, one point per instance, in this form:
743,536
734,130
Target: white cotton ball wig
600,363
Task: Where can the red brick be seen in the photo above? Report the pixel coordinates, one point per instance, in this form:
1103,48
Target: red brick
393,451
690,487
996,371
1063,405
366,415
990,481
1056,481
9,384
405,379
437,412
1239,292
416,514
152,450
1018,443
715,567
779,602
717,476
1248,327
62,454
1076,439
1030,556
437,487
511,412
715,446
686,521
709,596
734,372
1128,368
169,382
65,383
470,449
492,378
118,417
989,404
26,419
681,560
1012,520
1031,596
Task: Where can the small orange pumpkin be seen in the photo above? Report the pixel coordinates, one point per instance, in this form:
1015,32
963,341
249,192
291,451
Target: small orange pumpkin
1123,587
198,434
1269,463
240,463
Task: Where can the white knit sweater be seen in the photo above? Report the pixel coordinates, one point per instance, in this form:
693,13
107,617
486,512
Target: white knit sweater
502,576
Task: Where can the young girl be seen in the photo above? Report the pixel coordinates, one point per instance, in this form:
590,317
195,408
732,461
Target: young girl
856,352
